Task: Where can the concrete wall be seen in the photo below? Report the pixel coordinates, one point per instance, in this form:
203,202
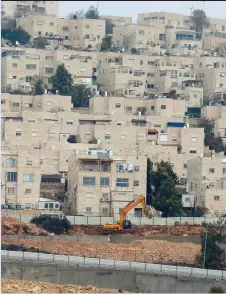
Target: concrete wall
106,278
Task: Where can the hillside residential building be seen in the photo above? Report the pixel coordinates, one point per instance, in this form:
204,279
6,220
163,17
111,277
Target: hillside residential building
207,181
101,183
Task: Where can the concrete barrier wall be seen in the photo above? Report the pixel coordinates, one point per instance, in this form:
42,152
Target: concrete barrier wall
97,220
106,278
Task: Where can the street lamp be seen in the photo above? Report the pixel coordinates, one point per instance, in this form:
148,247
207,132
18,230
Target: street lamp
204,258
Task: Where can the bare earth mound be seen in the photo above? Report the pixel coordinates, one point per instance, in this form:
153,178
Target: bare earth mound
152,251
12,226
17,286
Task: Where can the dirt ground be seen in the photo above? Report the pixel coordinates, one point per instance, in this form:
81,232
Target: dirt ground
17,286
11,226
152,251
146,231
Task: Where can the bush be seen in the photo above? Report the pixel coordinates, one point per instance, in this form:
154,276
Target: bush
52,223
216,289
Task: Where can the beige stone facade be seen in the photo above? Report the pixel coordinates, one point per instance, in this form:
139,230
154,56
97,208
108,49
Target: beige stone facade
21,65
22,8
101,183
71,33
207,181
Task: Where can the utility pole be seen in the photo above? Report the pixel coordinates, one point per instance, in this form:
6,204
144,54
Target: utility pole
204,257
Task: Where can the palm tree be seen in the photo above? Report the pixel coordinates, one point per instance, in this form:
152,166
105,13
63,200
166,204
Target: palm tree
81,94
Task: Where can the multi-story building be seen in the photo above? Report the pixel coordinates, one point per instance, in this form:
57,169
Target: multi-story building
103,183
21,177
207,181
71,33
20,67
23,8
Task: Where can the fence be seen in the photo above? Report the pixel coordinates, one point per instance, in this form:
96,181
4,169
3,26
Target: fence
139,221
115,264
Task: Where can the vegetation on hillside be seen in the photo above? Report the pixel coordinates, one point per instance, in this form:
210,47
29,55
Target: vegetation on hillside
14,35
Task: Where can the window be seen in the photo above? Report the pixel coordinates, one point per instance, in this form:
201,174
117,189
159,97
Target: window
49,57
185,165
28,191
18,133
193,151
46,206
104,181
162,37
11,190
211,170
11,162
51,23
14,77
49,103
28,79
31,66
105,210
224,170
3,101
136,168
87,26
89,181
28,177
152,107
117,105
120,210
163,106
129,108
174,139
119,167
122,182
136,183
69,122
29,163
123,136
11,177
50,205
27,105
194,139
49,70
216,198
89,195
14,65
107,136
88,209
65,29
14,104
34,133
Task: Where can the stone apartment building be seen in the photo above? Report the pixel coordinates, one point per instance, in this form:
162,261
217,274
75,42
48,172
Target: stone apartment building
21,65
70,33
207,181
102,183
22,8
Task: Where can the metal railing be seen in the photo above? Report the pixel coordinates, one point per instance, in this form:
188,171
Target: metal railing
114,264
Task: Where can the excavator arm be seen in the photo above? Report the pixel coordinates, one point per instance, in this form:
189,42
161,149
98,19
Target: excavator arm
126,209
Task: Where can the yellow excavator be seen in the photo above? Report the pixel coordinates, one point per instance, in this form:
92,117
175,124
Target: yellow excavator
126,224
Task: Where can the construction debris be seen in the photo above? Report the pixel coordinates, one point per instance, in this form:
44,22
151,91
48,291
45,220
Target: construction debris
17,286
152,251
11,226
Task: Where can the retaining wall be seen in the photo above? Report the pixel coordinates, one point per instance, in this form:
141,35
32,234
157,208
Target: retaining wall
106,278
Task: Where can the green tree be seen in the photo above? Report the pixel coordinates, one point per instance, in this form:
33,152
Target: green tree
201,211
40,43
92,13
149,198
162,188
199,20
81,94
78,14
209,140
14,35
212,256
62,81
38,87
106,44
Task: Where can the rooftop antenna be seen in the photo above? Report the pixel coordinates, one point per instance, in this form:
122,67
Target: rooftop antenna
97,6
